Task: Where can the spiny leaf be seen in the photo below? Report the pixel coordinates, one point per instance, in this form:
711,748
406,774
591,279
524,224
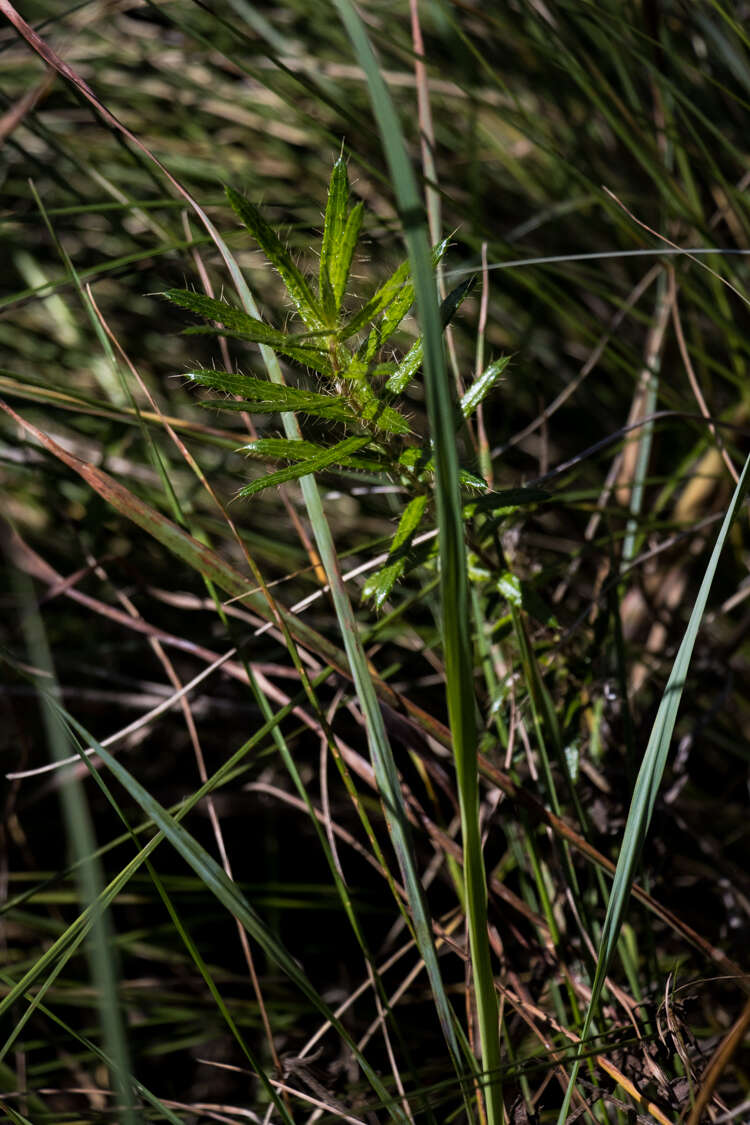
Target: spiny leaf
279,257
383,296
379,586
380,333
482,386
239,325
398,287
278,449
335,220
412,361
421,461
263,397
341,264
407,369
330,456
307,357
223,313
383,416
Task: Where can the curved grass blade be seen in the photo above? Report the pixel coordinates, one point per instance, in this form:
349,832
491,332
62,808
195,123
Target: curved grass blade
279,257
649,779
215,879
454,586
80,833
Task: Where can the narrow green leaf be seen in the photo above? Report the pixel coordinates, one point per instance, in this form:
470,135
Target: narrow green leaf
335,220
341,263
412,361
241,326
453,300
382,297
407,368
398,290
330,456
482,386
468,479
379,586
223,313
263,397
421,461
278,449
215,879
509,498
374,410
453,579
649,780
308,357
279,257
77,819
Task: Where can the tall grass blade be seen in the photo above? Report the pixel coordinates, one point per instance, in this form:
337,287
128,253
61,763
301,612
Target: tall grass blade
454,591
649,779
80,833
228,893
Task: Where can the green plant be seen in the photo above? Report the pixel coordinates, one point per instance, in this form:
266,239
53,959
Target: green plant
359,391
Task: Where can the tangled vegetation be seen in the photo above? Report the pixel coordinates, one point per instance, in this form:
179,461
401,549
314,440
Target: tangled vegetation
375,655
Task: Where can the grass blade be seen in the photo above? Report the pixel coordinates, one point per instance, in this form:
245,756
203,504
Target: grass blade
454,591
649,779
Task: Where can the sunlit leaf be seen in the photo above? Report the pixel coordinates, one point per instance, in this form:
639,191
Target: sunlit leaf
279,257
412,361
380,584
342,262
420,460
380,414
340,235
263,397
335,218
482,386
279,449
331,456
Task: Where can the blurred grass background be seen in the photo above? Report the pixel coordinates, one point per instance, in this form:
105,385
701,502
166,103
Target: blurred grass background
570,132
